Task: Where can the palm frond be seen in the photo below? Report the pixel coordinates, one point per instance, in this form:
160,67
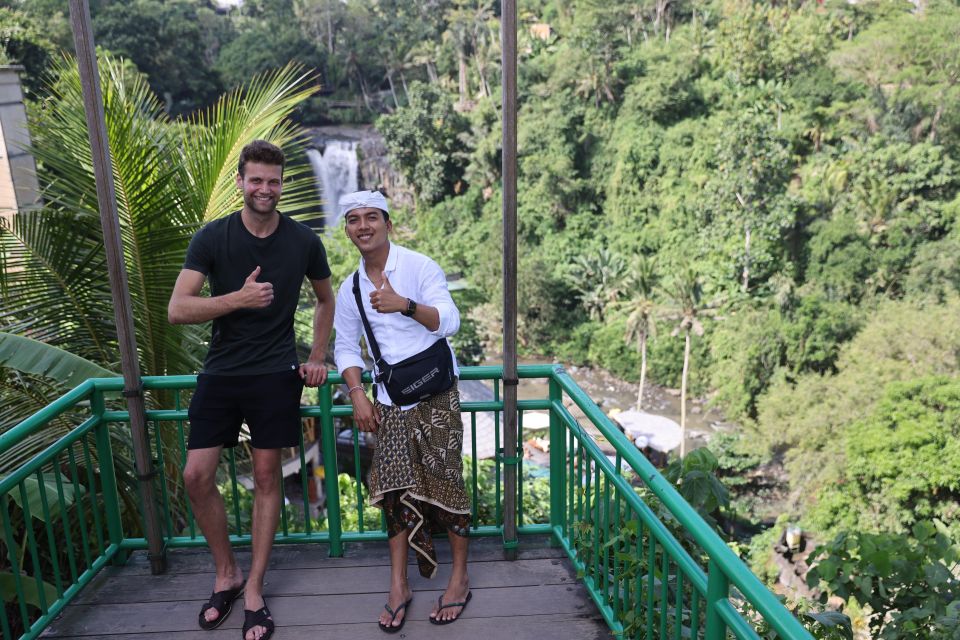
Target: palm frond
31,356
212,141
55,290
169,178
24,395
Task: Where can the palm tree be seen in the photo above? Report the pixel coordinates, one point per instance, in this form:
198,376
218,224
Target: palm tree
170,178
686,292
641,309
878,204
459,24
599,279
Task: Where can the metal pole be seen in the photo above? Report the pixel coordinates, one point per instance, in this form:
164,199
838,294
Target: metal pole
508,36
106,196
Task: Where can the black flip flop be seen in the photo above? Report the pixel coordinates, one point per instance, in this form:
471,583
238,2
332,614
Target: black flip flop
389,628
447,606
259,618
222,601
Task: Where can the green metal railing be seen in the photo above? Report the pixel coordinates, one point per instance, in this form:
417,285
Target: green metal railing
74,508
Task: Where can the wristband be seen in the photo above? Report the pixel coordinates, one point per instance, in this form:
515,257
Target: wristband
352,389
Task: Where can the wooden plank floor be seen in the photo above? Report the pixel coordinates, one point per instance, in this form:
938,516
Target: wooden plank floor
314,596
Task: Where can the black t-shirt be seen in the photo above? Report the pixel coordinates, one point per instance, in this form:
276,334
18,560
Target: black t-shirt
255,341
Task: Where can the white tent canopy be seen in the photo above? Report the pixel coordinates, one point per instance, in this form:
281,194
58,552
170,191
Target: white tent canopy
649,430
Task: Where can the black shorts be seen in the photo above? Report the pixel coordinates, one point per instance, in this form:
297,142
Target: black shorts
268,403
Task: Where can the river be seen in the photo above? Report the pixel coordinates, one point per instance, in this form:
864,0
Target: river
613,394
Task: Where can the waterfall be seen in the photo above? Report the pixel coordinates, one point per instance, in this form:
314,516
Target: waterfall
336,170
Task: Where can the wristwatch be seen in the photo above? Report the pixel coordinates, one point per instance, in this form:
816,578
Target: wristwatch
411,308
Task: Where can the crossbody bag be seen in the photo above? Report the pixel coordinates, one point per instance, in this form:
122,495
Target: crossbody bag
415,378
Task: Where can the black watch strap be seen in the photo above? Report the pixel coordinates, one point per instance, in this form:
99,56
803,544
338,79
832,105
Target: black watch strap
411,308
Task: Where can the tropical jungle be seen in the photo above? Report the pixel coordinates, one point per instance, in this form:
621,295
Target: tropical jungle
757,202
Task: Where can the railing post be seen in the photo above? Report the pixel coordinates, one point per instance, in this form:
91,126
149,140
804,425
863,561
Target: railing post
558,464
718,590
331,484
108,477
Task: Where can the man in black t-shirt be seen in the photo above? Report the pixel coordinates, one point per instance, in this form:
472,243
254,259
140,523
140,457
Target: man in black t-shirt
256,260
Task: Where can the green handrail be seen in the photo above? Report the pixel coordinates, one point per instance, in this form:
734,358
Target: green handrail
644,581
722,558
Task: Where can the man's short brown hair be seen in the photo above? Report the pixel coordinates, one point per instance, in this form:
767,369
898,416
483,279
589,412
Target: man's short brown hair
262,152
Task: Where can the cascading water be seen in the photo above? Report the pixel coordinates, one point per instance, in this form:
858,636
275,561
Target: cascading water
336,171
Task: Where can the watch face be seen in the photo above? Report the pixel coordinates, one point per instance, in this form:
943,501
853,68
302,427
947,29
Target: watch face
411,308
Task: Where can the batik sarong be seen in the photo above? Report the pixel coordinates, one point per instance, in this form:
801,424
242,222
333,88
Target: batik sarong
417,473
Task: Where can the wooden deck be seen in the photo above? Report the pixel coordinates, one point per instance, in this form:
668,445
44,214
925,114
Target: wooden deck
314,596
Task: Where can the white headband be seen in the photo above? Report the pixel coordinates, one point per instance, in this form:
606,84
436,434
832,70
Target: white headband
362,200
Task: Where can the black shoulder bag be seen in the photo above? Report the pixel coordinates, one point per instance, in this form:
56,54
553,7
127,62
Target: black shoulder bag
416,378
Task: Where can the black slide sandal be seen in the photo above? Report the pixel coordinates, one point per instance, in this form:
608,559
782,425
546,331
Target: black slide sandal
259,618
222,601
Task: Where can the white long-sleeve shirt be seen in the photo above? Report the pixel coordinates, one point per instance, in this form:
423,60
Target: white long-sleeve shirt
412,275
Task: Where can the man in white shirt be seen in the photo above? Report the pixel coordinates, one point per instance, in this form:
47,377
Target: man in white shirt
417,471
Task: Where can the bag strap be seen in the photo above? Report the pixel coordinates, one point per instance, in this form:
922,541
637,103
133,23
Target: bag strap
371,341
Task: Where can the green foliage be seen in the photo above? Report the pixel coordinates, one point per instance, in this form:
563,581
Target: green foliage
753,347
423,139
902,462
756,41
909,61
170,42
841,261
743,215
482,146
634,163
822,625
759,554
666,362
599,279
265,46
550,183
39,494
908,581
695,477
747,351
935,271
810,418
893,198
536,492
31,594
24,41
829,625
815,332
617,355
33,357
349,511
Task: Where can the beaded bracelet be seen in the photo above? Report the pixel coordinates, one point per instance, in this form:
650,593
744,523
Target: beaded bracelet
352,389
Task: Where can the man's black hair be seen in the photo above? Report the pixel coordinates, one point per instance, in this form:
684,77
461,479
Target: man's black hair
262,152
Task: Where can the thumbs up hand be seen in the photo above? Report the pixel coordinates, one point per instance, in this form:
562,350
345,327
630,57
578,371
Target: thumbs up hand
255,295
386,300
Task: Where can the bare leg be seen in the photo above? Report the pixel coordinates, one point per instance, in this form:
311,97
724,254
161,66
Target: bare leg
266,514
399,589
199,476
459,585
